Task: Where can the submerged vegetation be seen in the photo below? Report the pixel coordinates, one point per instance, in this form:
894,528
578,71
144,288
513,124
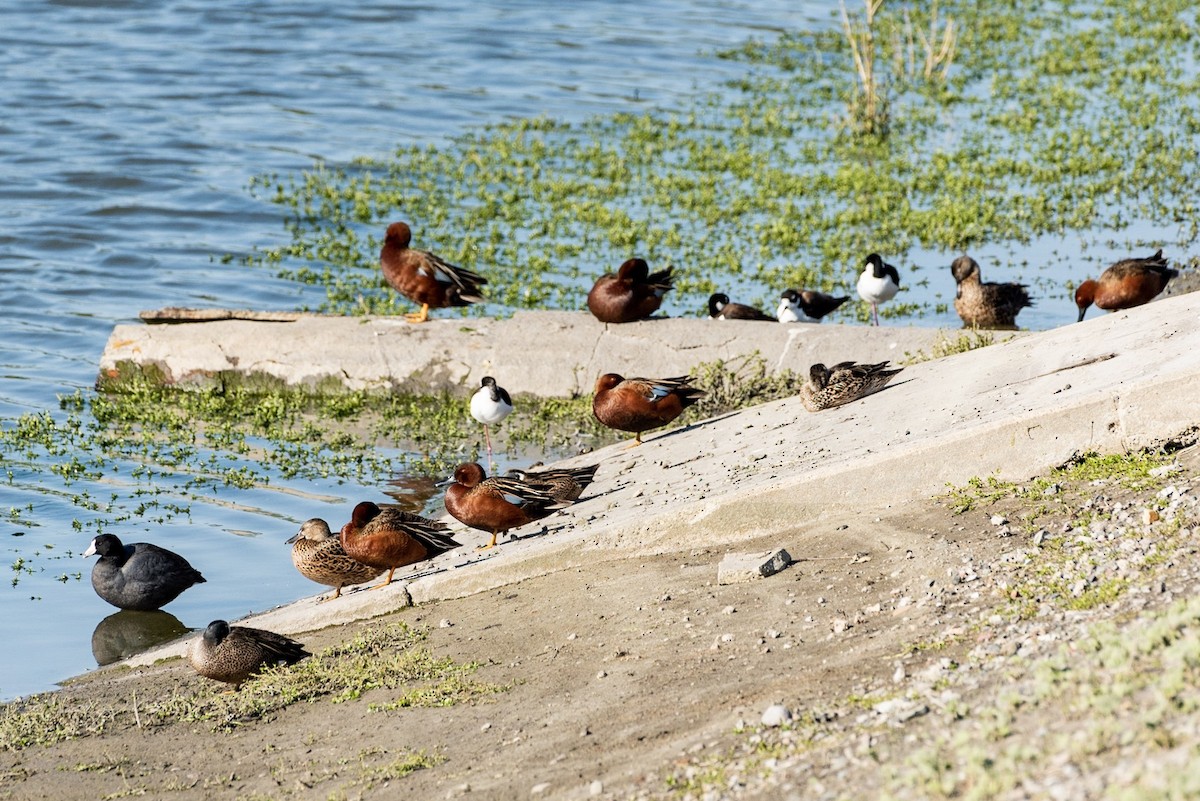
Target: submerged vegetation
1019,121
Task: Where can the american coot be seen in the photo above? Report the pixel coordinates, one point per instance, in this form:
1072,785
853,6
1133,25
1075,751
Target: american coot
388,537
317,553
140,576
233,654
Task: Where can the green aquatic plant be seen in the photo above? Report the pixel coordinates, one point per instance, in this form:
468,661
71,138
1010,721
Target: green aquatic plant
1039,129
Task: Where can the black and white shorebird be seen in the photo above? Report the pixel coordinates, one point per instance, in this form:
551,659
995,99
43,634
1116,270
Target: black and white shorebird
489,405
806,306
878,283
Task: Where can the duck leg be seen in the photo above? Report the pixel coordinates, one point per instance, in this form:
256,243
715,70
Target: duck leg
491,542
418,317
386,582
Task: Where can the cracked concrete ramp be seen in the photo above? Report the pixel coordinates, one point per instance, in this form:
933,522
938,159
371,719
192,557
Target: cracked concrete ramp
1117,382
546,354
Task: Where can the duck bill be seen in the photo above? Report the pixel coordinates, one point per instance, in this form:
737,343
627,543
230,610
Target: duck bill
292,538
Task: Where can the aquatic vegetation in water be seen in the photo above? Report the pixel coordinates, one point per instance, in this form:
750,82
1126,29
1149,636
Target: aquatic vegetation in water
1035,125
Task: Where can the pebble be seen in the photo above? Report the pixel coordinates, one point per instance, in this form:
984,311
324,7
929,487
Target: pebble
776,715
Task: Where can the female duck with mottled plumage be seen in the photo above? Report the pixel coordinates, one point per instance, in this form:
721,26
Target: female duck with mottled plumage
985,304
843,383
233,654
318,554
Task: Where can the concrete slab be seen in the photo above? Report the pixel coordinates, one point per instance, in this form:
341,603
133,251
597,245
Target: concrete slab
1118,382
545,354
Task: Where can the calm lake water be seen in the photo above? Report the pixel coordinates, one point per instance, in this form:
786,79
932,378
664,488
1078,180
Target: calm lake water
130,133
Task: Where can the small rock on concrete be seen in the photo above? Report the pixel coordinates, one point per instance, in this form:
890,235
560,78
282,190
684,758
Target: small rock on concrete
776,715
737,568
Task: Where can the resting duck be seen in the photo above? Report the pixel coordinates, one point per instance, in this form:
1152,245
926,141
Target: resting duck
878,283
633,293
719,308
1128,283
387,537
986,305
490,405
828,387
425,278
233,654
564,484
641,404
806,306
496,504
319,556
140,576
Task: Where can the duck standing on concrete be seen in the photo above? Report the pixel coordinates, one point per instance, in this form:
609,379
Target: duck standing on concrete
387,537
828,387
564,484
233,654
878,283
1128,283
985,305
425,278
319,556
641,404
140,576
806,306
489,405
633,293
498,503
719,308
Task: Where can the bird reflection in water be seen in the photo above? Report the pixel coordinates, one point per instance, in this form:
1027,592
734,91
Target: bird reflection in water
125,633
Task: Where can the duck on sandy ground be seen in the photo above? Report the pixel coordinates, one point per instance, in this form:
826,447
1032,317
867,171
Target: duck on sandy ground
498,503
806,305
828,387
233,654
318,554
641,404
719,308
878,283
1128,283
985,304
633,293
388,537
425,278
490,405
139,576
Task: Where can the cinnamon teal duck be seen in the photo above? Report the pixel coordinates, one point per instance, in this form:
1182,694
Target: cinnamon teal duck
388,537
318,554
986,304
828,387
1128,283
498,503
632,293
425,278
139,576
641,404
